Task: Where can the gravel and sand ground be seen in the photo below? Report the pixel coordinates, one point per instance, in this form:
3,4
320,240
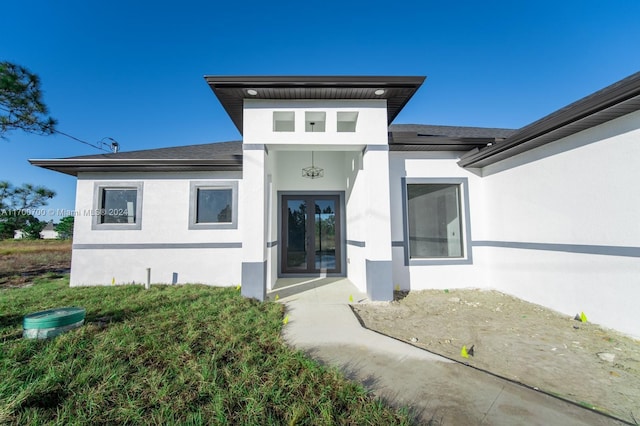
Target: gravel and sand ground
524,342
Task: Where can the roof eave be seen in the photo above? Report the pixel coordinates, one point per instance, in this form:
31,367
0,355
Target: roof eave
612,102
74,166
231,91
440,144
314,81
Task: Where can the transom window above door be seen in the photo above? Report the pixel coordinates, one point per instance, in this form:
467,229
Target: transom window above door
316,121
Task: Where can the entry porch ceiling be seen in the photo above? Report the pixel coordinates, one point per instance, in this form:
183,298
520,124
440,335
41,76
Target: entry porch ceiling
231,91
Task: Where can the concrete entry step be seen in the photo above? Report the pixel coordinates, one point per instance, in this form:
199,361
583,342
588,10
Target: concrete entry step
316,290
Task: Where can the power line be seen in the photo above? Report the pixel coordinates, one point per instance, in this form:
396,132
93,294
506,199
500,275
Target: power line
100,147
114,146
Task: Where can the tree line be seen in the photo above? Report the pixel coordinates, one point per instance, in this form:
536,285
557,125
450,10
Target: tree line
16,205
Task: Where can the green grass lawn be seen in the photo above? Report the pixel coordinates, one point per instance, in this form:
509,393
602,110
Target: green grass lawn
173,354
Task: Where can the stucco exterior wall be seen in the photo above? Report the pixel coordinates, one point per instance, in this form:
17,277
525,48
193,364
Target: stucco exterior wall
164,241
356,227
216,266
273,239
448,274
562,224
371,125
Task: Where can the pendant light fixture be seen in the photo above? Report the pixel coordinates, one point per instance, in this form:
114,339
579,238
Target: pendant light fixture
312,172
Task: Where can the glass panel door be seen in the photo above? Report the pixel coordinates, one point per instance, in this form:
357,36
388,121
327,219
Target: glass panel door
311,234
296,236
325,234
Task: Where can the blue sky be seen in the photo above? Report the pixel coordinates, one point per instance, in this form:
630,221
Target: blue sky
132,70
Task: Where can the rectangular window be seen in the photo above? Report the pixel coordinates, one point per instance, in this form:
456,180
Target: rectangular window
117,205
213,205
434,220
436,214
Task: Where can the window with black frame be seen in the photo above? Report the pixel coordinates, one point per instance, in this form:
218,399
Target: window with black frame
118,205
214,205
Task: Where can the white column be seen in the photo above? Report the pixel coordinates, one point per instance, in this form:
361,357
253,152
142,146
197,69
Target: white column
378,223
253,221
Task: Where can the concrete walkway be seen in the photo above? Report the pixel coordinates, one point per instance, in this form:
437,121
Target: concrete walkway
436,389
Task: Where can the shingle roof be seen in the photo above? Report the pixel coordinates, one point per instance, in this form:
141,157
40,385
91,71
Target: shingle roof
211,156
209,150
451,131
421,137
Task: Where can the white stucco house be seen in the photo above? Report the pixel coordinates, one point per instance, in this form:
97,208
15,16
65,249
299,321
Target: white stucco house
48,232
323,183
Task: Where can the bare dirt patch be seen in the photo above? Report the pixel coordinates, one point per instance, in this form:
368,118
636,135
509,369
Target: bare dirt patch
524,342
23,260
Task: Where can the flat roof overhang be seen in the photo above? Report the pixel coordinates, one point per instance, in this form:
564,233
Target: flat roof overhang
74,166
231,91
422,137
438,143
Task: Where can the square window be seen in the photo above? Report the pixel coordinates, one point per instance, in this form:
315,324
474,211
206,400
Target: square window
347,121
314,121
283,121
213,205
117,205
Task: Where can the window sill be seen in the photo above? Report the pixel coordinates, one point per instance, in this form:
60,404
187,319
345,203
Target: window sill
116,227
197,226
441,261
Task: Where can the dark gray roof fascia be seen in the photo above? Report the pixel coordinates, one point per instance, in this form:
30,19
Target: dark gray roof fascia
73,167
421,137
614,101
315,80
451,131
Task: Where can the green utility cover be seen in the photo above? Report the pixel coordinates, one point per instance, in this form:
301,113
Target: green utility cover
58,317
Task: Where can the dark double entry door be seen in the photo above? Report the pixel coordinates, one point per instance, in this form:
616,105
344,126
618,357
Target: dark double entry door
310,234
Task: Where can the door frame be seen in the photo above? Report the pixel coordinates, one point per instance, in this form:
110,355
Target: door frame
342,272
